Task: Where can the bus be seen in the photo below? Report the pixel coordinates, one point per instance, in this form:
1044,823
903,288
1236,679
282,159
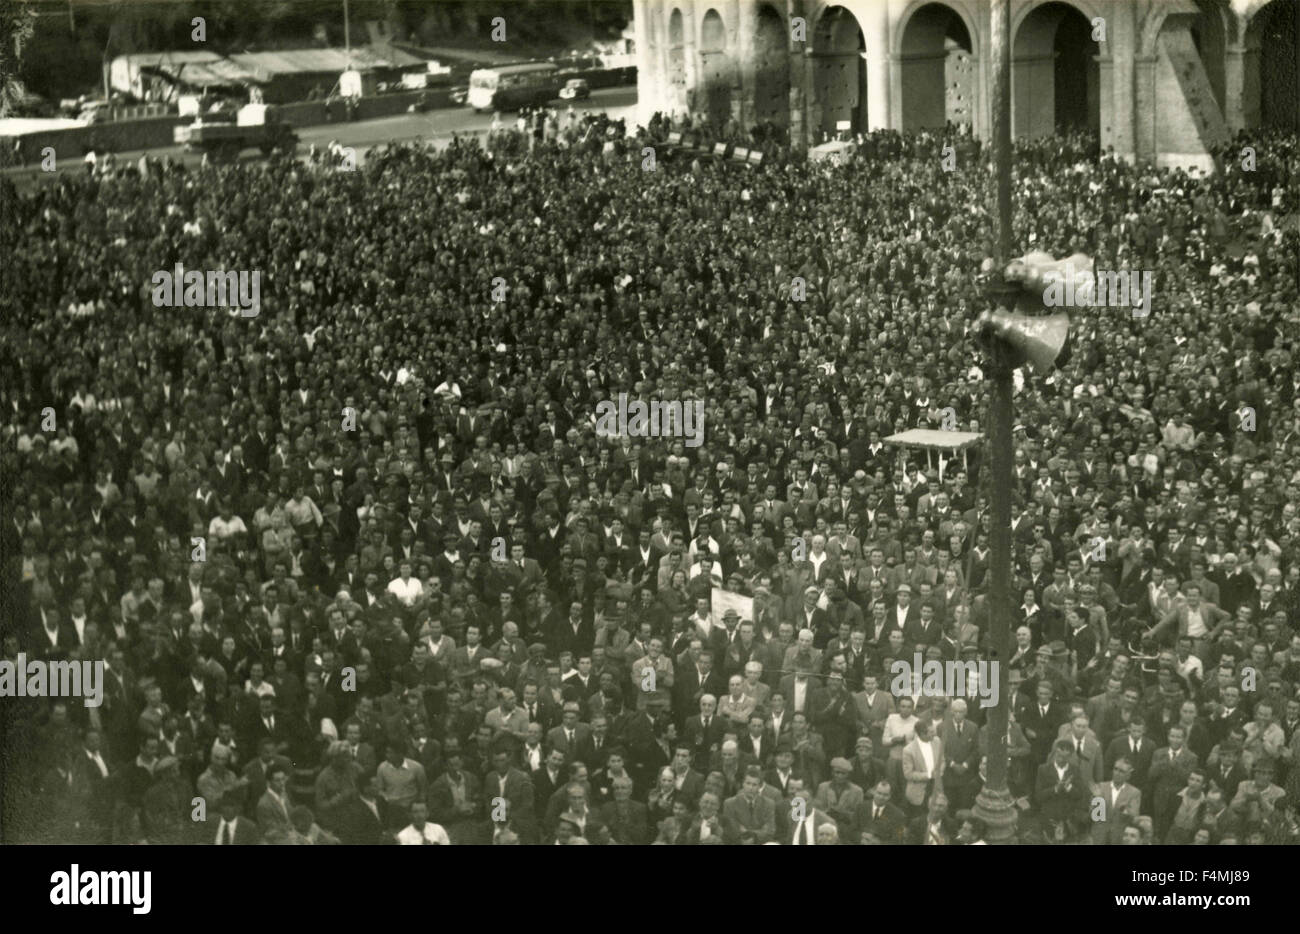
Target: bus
509,87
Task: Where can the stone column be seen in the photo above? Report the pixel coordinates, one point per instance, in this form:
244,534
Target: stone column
649,79
1234,86
874,22
690,57
799,88
1118,117
1144,109
740,49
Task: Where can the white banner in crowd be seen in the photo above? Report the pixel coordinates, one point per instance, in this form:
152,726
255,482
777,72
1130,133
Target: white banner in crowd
724,600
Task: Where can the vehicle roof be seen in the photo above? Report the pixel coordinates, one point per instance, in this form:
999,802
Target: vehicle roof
520,69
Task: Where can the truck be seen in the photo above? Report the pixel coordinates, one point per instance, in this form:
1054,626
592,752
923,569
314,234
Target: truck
255,125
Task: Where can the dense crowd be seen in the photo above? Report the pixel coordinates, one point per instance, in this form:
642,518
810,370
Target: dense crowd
362,571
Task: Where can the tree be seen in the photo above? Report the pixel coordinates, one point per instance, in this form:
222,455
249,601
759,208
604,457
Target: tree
17,22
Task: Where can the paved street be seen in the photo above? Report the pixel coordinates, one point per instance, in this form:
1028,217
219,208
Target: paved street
435,125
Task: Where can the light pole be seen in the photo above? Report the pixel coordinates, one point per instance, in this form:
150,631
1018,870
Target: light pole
347,33
994,804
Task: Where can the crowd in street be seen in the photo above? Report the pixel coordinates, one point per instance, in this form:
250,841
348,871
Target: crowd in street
361,570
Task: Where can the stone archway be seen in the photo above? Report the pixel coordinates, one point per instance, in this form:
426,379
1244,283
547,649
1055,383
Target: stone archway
1271,81
771,68
938,74
677,61
717,71
1055,80
840,71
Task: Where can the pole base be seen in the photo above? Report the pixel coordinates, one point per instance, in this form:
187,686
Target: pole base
997,809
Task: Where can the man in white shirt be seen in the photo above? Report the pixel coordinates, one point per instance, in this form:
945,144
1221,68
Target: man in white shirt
899,728
420,832
406,588
922,765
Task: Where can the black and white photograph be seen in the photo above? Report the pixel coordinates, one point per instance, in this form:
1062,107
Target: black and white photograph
652,423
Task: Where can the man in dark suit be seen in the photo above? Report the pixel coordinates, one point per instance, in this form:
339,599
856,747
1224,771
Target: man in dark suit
692,681
577,634
548,779
267,724
233,829
361,821
1061,794
756,744
880,626
581,679
512,787
925,629
688,782
703,733
454,798
1228,773
94,779
570,735
749,817
960,743
879,817
1041,720
1136,746
783,770
1170,766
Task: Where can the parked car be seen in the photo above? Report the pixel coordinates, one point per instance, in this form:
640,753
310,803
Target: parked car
575,89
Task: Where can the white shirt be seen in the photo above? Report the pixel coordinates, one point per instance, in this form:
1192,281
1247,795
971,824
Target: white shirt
407,591
432,834
99,763
221,832
927,753
800,694
1195,624
1191,665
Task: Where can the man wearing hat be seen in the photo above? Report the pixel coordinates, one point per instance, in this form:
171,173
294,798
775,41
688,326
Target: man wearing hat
839,797
1258,798
730,629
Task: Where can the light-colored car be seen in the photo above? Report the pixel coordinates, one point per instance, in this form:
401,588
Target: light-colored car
575,89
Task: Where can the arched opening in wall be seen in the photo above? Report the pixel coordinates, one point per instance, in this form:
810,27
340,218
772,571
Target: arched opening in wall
1055,82
771,69
1208,36
840,71
677,60
716,72
1272,39
938,73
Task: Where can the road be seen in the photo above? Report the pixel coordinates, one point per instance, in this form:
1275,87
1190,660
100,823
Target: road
435,126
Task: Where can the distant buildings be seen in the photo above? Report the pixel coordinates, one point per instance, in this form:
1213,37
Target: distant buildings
1158,80
282,76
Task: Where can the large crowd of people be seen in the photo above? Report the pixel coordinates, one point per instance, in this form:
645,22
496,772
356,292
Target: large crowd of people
361,569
